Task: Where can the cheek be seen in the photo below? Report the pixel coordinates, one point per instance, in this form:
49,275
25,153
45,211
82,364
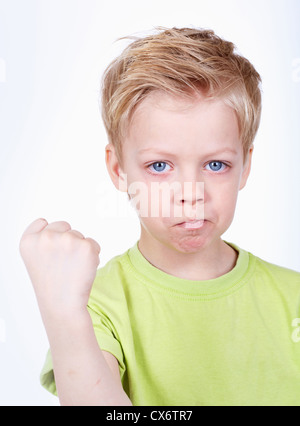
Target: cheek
229,206
144,199
223,198
150,200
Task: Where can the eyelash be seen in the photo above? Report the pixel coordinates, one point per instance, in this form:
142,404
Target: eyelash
154,171
224,165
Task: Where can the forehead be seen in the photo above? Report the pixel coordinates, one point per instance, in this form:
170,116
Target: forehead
191,121
159,100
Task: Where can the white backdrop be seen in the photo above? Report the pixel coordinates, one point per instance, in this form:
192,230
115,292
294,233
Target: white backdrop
52,55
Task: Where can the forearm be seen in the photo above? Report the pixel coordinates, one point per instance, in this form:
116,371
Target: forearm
82,375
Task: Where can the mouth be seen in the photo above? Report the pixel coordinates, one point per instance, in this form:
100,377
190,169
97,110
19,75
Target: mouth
193,224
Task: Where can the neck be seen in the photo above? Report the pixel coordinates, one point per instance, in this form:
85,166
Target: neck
210,262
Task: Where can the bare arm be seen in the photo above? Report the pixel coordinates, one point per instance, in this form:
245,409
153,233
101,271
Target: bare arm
82,373
62,265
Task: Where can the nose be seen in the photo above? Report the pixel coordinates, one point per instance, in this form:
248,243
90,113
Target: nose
191,200
193,192
190,192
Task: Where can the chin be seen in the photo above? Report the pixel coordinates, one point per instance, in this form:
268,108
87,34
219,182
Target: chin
190,244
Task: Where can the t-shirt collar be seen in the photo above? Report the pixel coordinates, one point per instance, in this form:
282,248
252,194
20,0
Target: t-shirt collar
217,287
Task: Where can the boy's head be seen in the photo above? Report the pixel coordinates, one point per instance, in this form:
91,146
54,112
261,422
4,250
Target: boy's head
181,62
181,111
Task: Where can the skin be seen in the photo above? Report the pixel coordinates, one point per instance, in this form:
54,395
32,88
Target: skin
185,137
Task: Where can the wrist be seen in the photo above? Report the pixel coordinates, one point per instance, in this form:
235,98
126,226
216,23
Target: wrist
68,318
57,306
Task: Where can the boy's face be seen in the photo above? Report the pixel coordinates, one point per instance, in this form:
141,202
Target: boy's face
183,166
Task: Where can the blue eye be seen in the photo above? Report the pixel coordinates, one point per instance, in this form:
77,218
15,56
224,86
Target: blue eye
158,167
215,166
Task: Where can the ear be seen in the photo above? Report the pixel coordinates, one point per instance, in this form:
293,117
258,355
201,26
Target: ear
246,168
118,177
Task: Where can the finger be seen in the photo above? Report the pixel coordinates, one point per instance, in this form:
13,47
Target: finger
95,244
60,226
37,226
76,233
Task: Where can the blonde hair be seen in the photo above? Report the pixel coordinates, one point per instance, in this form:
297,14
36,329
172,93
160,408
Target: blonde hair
180,61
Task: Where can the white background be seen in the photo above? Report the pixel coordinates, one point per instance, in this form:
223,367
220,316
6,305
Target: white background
52,55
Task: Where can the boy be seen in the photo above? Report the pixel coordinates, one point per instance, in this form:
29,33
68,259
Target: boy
183,317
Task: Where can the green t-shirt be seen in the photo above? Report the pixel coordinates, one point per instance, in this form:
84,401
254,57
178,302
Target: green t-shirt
233,340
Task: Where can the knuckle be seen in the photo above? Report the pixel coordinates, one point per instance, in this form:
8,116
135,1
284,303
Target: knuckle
59,226
47,237
87,246
69,240
65,224
89,252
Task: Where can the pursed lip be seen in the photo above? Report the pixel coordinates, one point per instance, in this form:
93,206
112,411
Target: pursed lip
191,224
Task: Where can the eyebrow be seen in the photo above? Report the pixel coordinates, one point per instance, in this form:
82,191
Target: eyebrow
171,154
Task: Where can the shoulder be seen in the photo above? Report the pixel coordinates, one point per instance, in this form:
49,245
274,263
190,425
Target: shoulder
111,278
275,269
275,274
114,266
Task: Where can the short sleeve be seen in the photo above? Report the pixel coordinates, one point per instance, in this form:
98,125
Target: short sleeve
47,375
106,338
107,342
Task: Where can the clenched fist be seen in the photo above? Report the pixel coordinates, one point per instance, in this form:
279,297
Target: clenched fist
61,263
